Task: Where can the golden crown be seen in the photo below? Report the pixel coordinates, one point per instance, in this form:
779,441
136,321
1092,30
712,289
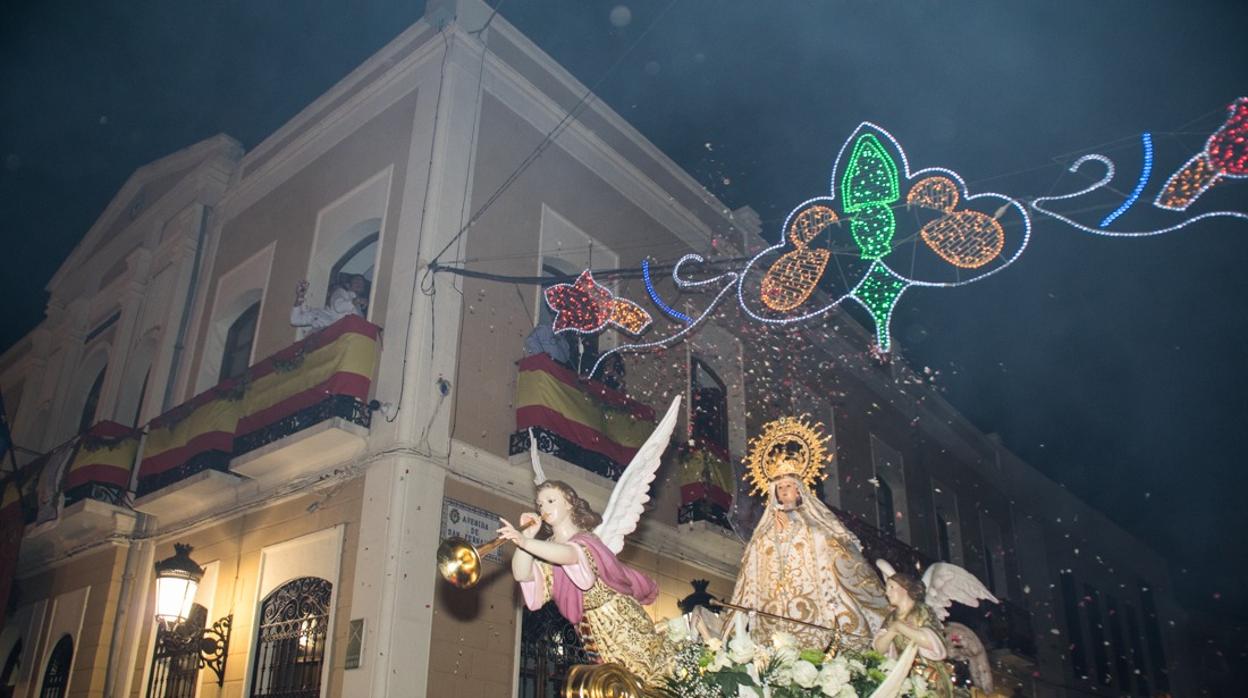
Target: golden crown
788,446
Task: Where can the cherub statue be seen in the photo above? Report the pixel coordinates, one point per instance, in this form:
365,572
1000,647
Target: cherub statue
567,553
913,633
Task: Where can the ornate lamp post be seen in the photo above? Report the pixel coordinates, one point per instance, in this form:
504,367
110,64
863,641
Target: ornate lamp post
177,580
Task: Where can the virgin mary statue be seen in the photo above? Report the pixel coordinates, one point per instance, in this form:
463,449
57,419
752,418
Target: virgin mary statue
801,563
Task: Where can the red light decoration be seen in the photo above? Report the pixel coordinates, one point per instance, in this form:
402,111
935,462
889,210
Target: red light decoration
1225,155
587,307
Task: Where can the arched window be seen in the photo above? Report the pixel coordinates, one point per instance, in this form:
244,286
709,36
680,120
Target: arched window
56,676
87,418
942,536
290,646
8,679
359,260
238,342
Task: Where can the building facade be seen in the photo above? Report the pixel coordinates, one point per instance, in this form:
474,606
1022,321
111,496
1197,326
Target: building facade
167,398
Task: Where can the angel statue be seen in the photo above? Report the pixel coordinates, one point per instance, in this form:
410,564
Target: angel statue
567,553
913,633
803,572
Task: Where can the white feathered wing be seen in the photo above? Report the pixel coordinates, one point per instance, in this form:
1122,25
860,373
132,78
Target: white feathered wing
631,493
947,583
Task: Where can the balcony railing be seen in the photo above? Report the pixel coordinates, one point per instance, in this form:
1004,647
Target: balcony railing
576,419
100,467
327,375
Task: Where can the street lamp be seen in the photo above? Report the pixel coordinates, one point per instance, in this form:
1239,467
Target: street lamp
177,580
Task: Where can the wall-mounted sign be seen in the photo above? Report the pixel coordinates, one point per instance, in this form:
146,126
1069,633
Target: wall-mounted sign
471,523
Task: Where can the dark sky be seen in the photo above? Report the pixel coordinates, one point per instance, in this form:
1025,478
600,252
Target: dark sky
1114,366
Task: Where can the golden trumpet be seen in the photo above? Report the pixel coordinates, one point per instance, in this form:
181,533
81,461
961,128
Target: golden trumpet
459,562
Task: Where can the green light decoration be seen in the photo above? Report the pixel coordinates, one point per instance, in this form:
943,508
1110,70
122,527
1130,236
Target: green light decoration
869,185
872,228
878,293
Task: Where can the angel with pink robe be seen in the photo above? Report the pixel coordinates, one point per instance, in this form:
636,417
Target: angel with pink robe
567,553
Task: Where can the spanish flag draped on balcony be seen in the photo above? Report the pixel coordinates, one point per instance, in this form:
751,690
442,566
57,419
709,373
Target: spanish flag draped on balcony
587,413
339,361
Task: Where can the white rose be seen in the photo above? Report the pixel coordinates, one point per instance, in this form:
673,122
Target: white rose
804,673
833,677
782,640
847,691
677,629
741,649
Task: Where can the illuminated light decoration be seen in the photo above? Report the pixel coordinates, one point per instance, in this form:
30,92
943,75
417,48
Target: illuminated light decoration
965,239
729,281
868,187
588,307
1038,205
654,295
1145,173
881,286
1225,155
793,277
878,293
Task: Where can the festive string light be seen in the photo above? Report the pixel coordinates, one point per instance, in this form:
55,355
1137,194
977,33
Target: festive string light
793,277
654,295
1145,173
588,307
1225,155
965,239
1038,205
868,187
878,293
729,279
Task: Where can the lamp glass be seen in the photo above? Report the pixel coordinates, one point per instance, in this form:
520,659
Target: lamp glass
174,596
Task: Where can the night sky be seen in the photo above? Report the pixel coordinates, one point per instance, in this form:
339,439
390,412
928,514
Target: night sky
1114,366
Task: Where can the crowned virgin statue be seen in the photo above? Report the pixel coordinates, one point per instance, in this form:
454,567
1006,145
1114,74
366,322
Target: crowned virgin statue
801,563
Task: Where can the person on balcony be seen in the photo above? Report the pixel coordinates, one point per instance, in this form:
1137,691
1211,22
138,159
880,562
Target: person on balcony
347,298
542,340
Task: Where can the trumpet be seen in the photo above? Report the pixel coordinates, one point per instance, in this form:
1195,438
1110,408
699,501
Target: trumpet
459,562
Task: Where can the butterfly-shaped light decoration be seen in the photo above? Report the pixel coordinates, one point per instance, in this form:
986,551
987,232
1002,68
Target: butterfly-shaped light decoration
587,306
887,228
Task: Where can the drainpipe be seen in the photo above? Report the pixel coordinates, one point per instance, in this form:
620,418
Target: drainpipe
180,343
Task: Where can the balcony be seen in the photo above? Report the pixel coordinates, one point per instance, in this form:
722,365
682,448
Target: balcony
293,414
578,420
77,493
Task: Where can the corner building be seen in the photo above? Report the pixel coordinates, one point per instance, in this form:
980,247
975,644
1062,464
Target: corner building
166,399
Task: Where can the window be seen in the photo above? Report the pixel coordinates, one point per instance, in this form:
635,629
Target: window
1121,666
56,676
709,400
886,513
1074,626
175,662
890,490
549,647
290,646
87,418
8,679
1137,652
1152,629
994,555
359,261
238,342
942,536
1096,624
581,349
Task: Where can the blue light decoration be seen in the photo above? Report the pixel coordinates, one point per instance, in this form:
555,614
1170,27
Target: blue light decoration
1145,173
961,236
654,295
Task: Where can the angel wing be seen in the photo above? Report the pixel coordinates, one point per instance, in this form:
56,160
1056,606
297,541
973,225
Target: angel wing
947,583
632,491
964,646
539,475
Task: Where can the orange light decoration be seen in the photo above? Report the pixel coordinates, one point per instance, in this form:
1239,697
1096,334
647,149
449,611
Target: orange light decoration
966,239
792,278
587,307
1225,155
